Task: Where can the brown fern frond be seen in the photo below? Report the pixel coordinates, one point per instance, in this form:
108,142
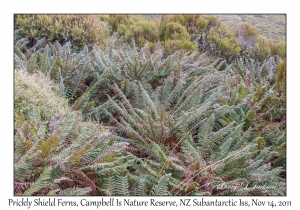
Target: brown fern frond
21,186
206,184
54,124
137,152
43,191
65,181
223,192
248,80
86,181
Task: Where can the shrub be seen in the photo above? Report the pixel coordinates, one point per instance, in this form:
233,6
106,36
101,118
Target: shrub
188,21
171,46
281,78
175,31
78,29
221,38
247,35
202,23
212,35
246,30
176,37
258,46
262,48
115,20
279,49
142,30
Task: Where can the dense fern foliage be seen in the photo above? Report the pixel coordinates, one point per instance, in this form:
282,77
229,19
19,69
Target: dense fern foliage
56,153
140,118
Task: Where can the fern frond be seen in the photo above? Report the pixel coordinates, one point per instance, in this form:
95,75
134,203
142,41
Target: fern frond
40,183
161,188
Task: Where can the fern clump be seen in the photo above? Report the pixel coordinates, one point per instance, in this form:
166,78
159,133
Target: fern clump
81,75
174,127
56,153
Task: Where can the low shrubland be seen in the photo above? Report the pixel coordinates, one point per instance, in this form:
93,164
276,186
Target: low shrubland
79,29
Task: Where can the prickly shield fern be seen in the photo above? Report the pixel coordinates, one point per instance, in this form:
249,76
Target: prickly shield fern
59,155
172,129
257,105
226,162
85,76
259,71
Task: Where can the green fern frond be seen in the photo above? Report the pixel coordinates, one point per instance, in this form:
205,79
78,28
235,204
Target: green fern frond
161,188
40,183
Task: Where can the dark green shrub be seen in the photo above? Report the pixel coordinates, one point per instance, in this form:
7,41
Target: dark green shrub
78,29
